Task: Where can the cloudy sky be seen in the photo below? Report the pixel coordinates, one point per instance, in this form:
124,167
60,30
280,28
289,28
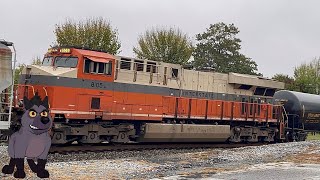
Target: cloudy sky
277,34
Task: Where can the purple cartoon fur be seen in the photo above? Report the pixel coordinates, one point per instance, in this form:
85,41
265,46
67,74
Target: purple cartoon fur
32,140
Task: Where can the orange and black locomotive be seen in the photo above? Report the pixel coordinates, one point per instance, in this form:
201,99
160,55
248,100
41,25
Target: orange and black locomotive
97,97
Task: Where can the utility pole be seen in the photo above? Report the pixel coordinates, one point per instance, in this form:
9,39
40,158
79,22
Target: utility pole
317,75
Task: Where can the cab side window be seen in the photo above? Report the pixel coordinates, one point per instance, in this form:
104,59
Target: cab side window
108,69
86,66
101,68
175,73
97,67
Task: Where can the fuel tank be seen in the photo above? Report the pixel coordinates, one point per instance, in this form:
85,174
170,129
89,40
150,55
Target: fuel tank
305,107
156,132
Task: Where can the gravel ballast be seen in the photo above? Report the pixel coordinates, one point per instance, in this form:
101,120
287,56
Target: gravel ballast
161,164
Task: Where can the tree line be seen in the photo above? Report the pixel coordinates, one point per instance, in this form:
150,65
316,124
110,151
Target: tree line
305,78
216,49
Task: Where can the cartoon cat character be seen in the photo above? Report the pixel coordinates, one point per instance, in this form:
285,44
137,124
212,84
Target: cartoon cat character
32,140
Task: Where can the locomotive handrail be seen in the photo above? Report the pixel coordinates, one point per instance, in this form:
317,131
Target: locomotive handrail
27,85
22,85
45,90
16,92
257,110
220,110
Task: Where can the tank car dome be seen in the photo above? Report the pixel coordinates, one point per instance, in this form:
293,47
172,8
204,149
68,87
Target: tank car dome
298,102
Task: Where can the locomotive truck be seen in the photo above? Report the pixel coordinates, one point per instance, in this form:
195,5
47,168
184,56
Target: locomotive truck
96,97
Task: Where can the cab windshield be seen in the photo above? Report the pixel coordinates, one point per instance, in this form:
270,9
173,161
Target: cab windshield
47,61
66,62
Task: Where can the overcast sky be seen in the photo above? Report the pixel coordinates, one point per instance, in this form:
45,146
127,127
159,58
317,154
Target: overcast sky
277,34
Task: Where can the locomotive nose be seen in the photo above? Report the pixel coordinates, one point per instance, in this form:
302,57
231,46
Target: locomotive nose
45,120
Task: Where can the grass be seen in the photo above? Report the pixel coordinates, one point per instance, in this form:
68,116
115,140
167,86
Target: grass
313,137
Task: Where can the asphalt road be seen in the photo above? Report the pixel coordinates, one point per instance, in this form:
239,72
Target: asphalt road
273,171
269,171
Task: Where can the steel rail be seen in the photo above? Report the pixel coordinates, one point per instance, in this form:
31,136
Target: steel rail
140,147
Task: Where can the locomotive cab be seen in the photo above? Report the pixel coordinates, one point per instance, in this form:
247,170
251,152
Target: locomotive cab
68,75
78,63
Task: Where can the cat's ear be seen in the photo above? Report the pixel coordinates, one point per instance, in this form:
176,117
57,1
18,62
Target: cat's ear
45,102
27,104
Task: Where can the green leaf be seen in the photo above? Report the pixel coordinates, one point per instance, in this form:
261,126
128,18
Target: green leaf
167,45
218,48
95,33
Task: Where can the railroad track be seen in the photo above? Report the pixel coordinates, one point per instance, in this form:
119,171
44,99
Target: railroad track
139,147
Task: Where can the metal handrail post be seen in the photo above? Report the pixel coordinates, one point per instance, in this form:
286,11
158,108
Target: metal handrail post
12,85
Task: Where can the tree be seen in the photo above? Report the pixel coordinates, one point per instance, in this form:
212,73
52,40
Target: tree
17,73
218,48
170,46
306,77
289,81
94,34
19,68
36,61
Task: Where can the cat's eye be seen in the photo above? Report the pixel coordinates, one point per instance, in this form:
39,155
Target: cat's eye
32,114
44,114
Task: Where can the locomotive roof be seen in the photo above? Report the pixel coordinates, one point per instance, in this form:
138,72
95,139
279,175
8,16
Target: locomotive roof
80,48
95,53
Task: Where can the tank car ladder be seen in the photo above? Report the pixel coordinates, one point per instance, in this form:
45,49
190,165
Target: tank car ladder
283,123
6,101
